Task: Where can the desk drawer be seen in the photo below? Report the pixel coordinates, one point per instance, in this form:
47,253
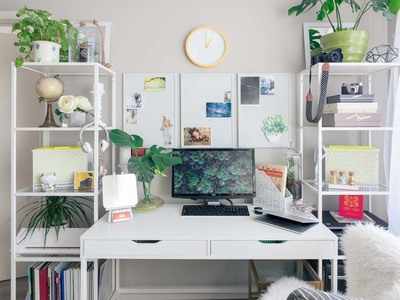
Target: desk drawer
144,249
272,249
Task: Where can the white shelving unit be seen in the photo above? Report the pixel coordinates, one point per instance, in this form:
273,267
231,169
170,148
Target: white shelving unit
66,248
317,186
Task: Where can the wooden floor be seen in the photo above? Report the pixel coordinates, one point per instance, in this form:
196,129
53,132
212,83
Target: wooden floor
5,289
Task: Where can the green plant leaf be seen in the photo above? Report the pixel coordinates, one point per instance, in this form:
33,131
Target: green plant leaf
123,139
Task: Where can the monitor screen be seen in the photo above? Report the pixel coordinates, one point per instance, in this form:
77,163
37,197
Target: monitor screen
214,173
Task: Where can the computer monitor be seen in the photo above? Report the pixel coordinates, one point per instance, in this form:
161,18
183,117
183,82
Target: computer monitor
214,174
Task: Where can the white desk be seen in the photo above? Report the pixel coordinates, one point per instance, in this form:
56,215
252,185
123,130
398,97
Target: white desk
165,234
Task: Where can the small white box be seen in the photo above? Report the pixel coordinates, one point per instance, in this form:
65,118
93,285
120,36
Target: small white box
61,160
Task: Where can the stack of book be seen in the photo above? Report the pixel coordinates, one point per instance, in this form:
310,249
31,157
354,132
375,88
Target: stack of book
57,281
351,111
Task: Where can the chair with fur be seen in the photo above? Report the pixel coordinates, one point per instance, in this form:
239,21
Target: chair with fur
372,268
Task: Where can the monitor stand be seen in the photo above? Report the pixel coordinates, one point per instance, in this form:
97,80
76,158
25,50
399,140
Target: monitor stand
218,202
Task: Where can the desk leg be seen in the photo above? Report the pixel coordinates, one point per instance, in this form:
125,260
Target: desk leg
334,275
84,288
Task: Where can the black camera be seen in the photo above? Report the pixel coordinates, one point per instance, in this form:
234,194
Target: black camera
352,88
334,56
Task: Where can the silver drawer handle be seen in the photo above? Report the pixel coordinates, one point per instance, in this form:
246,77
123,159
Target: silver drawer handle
146,241
271,242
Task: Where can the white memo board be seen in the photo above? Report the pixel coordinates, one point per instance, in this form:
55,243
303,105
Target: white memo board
263,110
208,110
151,107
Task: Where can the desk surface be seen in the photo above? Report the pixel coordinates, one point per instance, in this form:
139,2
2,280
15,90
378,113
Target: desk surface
166,223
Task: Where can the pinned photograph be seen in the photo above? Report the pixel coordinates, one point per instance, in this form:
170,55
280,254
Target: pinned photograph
135,102
219,109
197,136
267,86
83,181
228,96
250,90
154,84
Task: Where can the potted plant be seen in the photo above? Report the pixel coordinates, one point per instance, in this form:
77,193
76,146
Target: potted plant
352,41
145,164
54,213
273,128
41,38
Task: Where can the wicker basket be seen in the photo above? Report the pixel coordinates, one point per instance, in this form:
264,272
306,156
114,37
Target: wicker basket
258,285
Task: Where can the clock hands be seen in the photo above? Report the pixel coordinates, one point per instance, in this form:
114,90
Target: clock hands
208,40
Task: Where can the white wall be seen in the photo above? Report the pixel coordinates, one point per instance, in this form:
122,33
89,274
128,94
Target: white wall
147,36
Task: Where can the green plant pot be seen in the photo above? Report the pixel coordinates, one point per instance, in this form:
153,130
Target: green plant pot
146,205
354,44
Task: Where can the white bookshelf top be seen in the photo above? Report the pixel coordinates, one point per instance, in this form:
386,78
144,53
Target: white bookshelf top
73,68
362,68
67,243
59,129
68,192
380,190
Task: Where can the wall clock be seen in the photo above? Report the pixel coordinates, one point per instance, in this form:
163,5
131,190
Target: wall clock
205,47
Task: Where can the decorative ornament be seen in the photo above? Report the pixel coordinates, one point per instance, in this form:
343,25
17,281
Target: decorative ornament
48,182
49,89
382,54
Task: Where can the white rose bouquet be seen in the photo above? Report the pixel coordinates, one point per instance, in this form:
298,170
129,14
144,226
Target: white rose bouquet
68,104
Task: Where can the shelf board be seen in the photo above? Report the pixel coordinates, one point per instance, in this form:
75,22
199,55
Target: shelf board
363,68
69,192
357,129
67,243
73,68
53,258
58,129
373,191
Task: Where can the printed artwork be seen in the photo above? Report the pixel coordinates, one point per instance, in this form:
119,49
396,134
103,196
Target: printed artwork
250,90
197,136
351,206
166,128
273,127
267,86
154,84
219,109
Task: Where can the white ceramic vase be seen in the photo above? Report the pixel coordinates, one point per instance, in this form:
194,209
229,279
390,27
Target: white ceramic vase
77,119
45,52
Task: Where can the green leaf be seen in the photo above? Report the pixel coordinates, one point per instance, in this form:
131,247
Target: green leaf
19,61
123,139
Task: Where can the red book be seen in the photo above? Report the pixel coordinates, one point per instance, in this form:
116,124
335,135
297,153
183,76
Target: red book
351,206
44,283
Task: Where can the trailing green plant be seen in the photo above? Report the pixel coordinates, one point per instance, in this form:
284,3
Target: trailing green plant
39,25
331,10
54,212
155,160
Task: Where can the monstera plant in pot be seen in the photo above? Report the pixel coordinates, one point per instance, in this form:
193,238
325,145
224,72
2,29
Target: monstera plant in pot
352,41
41,38
145,164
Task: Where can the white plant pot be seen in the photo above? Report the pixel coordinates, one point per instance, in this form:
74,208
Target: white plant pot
273,138
45,52
77,119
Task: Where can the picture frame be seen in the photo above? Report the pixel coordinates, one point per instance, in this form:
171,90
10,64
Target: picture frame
208,110
151,107
264,122
309,43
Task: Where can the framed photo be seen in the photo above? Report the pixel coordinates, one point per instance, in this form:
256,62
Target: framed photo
151,107
312,37
208,110
263,110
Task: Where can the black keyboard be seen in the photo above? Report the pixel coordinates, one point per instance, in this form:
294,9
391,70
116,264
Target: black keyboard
215,210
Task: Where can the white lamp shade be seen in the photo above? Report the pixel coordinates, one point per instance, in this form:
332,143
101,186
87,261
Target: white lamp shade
119,191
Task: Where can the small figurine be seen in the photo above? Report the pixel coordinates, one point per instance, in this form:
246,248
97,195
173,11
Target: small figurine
333,177
48,182
351,178
342,178
166,126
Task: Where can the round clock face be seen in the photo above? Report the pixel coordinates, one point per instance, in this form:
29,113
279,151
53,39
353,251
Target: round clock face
205,47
